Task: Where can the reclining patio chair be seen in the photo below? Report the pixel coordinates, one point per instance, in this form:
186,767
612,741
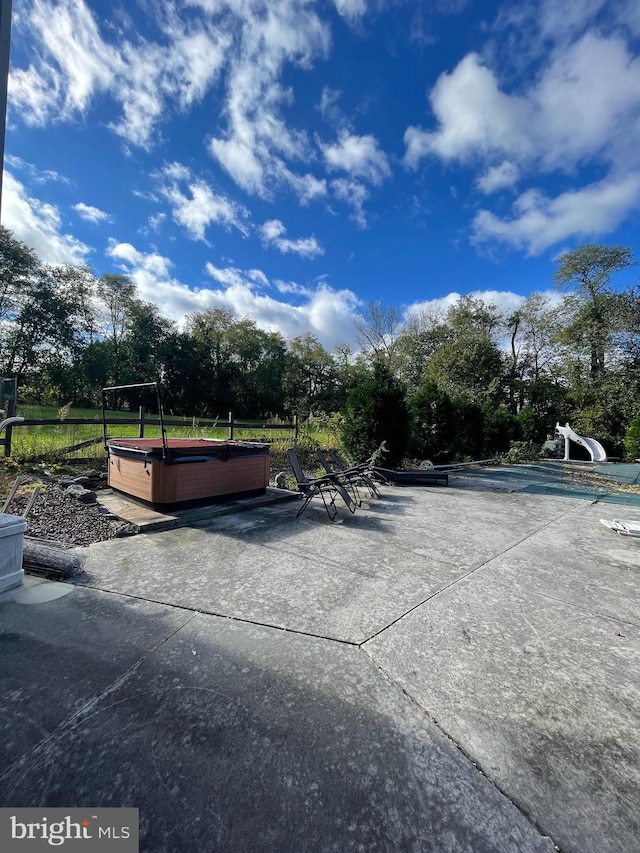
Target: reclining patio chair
328,487
345,478
367,469
354,476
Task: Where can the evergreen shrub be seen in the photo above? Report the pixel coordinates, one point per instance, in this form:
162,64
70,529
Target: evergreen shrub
632,439
433,428
376,412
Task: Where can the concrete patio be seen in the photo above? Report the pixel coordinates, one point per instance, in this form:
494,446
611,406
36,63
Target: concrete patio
450,669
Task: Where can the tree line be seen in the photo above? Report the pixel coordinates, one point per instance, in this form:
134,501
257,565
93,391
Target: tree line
475,380
65,333
464,382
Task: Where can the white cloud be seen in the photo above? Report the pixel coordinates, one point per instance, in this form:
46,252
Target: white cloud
354,194
156,77
157,221
538,23
321,310
584,102
579,108
475,118
90,214
257,143
292,287
540,222
198,206
152,262
273,234
629,16
307,187
228,276
360,156
351,9
37,176
234,276
503,176
258,277
197,57
329,109
30,94
75,63
244,46
140,93
39,225
582,109
562,21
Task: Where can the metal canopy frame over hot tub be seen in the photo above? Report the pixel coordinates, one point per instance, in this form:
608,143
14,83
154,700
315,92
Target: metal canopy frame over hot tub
163,431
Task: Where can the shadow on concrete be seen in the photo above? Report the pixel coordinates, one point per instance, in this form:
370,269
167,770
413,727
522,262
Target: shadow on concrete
237,738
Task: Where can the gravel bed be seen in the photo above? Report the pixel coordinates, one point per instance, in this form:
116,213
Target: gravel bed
57,516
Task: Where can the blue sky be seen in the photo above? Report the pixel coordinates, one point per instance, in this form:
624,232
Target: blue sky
291,160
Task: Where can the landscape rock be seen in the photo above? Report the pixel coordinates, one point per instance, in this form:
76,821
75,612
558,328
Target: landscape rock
124,529
85,496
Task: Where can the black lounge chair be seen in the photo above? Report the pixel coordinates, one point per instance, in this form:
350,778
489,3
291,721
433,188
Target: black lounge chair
331,464
345,478
368,468
415,476
328,487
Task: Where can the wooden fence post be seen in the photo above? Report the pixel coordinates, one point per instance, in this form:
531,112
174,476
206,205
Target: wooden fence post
230,426
295,429
11,411
141,411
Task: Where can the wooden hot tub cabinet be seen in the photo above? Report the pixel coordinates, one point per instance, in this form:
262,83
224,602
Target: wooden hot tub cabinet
181,469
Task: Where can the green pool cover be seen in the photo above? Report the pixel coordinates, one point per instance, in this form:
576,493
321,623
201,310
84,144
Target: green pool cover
559,479
620,472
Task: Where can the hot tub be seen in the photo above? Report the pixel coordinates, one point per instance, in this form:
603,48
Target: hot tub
177,470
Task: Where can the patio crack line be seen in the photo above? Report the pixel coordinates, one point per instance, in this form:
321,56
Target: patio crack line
467,574
466,755
240,619
619,620
70,721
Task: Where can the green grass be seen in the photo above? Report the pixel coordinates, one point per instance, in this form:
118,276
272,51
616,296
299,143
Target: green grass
35,441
